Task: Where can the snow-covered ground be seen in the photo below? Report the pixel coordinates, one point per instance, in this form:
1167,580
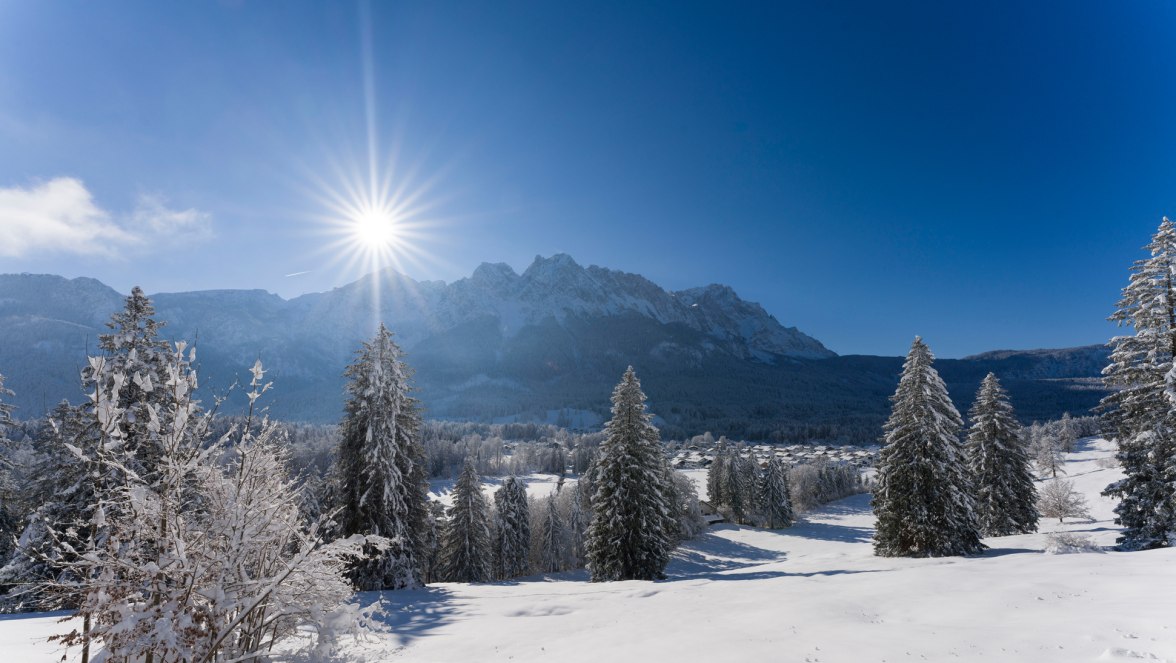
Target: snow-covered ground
814,592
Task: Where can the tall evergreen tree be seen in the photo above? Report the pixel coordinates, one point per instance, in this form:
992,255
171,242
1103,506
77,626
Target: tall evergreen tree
774,501
578,515
999,465
134,353
1140,409
435,525
551,538
466,547
379,484
629,536
735,487
512,536
923,498
716,477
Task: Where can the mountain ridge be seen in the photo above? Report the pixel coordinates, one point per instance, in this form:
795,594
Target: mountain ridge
547,344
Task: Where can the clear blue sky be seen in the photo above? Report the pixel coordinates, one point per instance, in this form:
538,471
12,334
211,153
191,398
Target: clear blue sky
982,174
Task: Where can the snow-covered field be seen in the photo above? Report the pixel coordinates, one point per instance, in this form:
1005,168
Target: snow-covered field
814,592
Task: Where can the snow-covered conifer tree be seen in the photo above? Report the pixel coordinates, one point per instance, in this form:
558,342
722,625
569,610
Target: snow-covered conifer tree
576,514
435,526
774,501
133,349
999,466
716,477
736,488
1140,409
628,537
550,538
466,547
379,484
512,535
923,496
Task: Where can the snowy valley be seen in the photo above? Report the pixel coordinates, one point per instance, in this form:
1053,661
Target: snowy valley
813,592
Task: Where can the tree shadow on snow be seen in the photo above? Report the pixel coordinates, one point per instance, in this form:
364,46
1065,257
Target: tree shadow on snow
767,575
17,616
1001,552
709,554
832,532
413,613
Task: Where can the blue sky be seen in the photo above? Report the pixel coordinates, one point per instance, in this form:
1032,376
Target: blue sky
981,174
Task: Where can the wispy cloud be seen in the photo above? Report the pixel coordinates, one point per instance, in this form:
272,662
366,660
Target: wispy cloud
60,216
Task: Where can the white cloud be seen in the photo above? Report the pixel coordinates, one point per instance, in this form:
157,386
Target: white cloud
59,216
152,217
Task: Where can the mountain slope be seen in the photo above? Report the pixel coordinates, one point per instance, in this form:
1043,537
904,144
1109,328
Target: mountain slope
547,344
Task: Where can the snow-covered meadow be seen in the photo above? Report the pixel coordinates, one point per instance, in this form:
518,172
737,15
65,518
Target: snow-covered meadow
814,592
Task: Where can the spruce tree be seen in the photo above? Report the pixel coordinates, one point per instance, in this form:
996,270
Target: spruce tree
629,536
999,466
551,537
379,484
1140,408
466,546
774,500
577,516
735,487
134,353
512,535
923,498
716,477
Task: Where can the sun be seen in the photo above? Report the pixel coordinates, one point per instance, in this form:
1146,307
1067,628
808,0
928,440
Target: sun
374,229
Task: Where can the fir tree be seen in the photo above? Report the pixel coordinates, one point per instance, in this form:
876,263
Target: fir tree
551,536
628,537
716,477
466,548
1140,408
133,351
435,525
577,515
999,467
379,484
735,487
774,501
512,535
922,499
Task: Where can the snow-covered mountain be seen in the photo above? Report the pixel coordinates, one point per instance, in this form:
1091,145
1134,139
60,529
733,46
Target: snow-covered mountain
547,344
554,289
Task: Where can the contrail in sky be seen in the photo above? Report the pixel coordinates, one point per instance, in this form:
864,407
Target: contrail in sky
299,273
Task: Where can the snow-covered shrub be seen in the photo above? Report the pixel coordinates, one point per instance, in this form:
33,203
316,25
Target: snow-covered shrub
1108,463
209,557
1061,543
